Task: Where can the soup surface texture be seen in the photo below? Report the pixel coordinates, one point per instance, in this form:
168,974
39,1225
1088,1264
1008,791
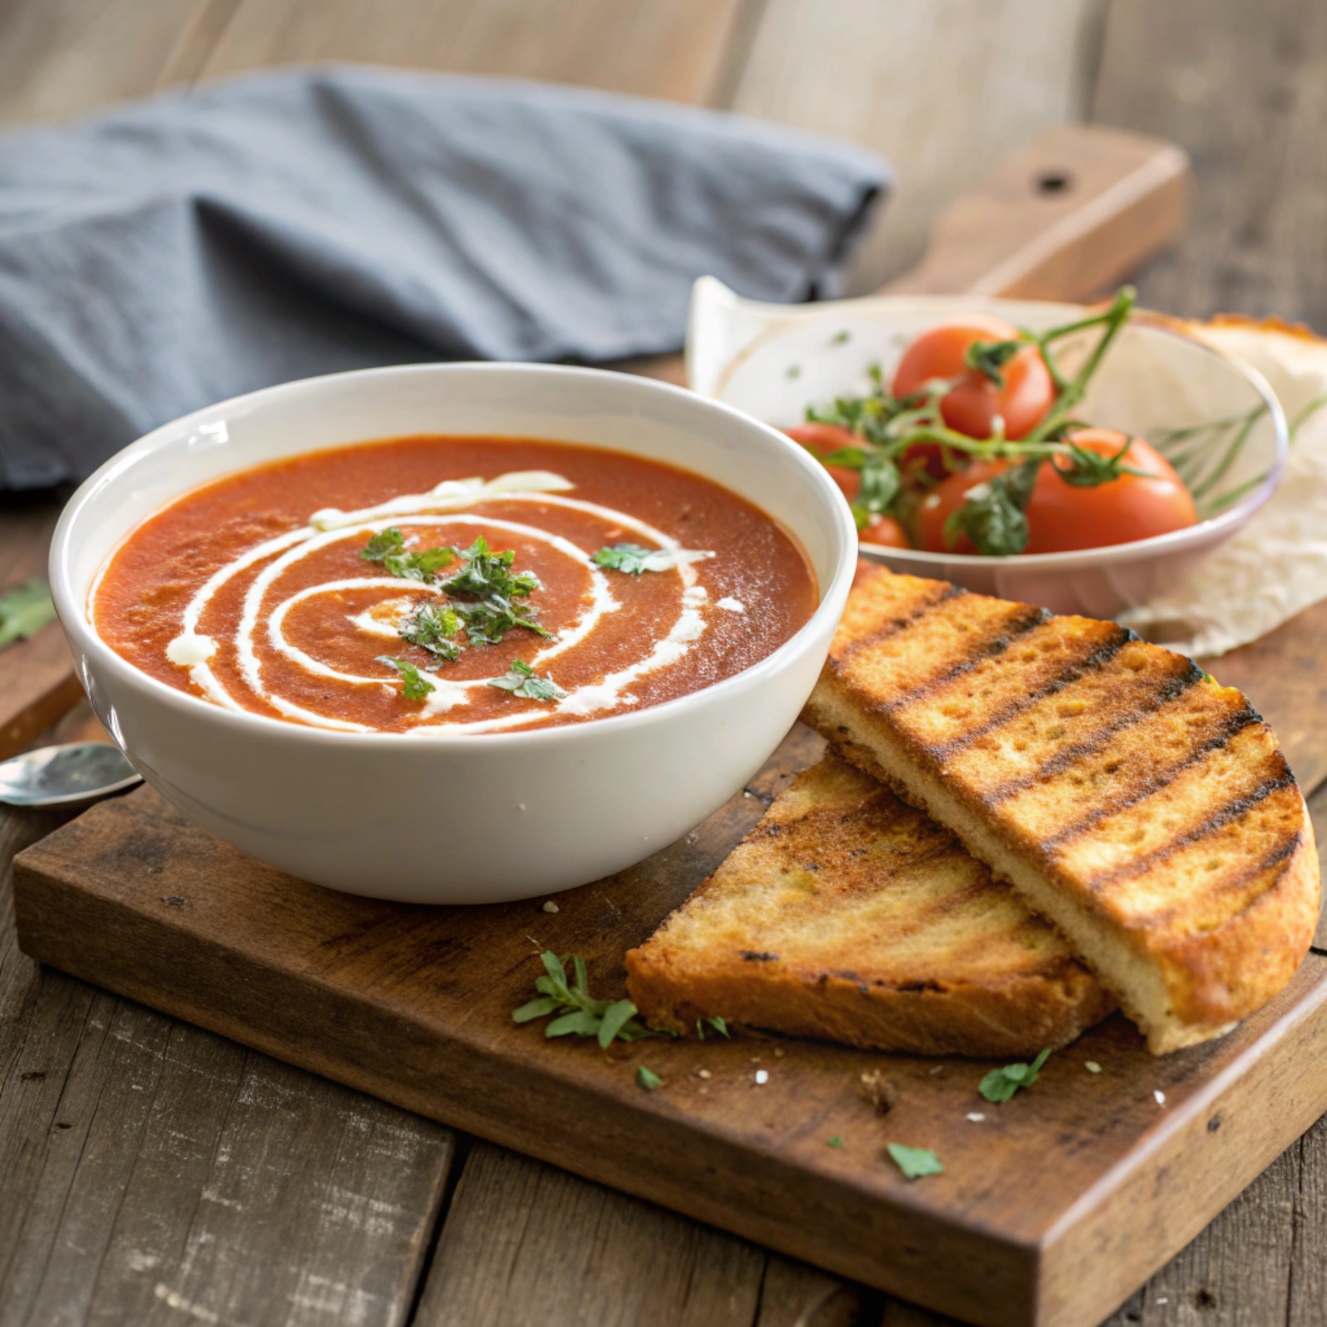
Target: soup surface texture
452,584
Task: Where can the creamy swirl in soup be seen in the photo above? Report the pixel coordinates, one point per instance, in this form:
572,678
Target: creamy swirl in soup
432,584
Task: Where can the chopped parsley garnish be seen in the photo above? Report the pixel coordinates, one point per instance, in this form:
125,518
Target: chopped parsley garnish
433,628
24,610
417,686
383,543
489,620
578,1013
1001,1084
836,1141
486,574
633,559
719,1025
523,681
993,514
389,548
648,1079
915,1162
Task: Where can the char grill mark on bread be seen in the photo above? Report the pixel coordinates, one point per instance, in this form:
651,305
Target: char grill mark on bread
848,915
1144,809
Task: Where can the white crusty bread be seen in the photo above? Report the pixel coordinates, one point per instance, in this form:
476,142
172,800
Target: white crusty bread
848,915
1145,810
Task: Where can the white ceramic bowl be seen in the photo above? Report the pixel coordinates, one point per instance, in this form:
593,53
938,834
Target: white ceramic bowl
454,819
772,360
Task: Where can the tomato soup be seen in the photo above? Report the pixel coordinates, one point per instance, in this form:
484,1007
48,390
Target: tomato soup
440,584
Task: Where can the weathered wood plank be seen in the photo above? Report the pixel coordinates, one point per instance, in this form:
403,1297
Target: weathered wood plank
942,90
525,1243
155,1173
1244,89
63,58
670,48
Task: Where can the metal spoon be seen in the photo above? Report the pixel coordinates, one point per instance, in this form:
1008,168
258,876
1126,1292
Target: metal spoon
73,775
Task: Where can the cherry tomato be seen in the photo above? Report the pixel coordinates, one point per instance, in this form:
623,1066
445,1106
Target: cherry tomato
1063,517
824,440
949,494
972,407
885,530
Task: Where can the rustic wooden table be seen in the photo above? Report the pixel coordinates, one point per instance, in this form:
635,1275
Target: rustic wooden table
154,1173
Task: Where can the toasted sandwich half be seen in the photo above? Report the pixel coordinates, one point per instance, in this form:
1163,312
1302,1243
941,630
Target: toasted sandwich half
848,915
1145,810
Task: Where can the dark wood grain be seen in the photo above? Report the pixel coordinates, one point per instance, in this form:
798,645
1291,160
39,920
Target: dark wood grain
414,1006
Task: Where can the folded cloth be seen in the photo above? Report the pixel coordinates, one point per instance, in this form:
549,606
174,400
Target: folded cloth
176,252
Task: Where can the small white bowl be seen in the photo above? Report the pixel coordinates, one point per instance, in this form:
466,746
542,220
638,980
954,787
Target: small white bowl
455,819
772,360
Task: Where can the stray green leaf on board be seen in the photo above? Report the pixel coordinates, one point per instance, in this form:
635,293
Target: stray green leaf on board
1001,1084
24,610
915,1162
836,1141
648,1079
719,1025
579,1013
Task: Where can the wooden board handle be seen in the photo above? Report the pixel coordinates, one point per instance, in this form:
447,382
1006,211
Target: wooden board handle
1067,218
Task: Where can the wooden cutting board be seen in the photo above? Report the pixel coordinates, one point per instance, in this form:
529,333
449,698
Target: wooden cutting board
1052,1208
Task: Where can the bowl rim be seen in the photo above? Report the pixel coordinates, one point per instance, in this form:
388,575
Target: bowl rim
74,620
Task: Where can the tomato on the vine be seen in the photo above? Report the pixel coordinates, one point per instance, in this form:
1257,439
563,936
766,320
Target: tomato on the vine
973,406
825,440
1063,517
944,499
884,530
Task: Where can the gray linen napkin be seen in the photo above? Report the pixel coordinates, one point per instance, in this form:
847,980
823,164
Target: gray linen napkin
176,252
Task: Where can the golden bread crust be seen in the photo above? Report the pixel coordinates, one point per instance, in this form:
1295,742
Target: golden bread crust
848,916
1144,808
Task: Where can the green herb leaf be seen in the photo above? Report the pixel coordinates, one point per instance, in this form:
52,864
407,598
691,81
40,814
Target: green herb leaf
718,1024
583,1022
417,686
880,485
1000,1084
993,513
578,1012
633,559
24,610
422,566
487,573
489,620
538,1008
522,681
648,1079
615,1018
915,1162
842,338
382,543
432,628
836,1141
989,357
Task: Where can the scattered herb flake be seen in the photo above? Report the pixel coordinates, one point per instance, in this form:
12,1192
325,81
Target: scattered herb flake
433,628
993,514
487,574
422,566
633,559
718,1024
521,680
416,686
489,620
794,371
648,1079
1000,1084
578,1012
382,543
24,610
842,338
915,1162
836,1141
